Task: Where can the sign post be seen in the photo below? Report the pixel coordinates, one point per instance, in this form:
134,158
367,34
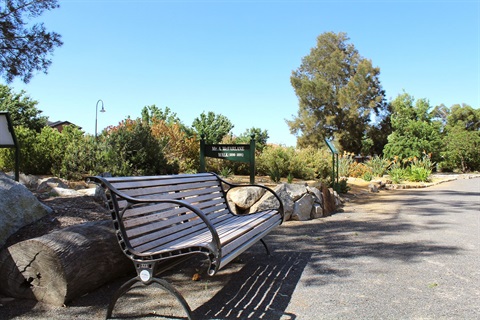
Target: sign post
8,139
232,152
334,157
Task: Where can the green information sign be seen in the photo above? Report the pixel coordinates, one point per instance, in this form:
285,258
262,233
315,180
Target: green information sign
331,146
232,152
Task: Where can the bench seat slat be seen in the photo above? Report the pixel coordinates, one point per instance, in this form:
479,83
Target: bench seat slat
145,242
228,230
159,227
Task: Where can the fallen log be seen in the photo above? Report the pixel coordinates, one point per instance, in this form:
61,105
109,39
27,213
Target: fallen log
58,267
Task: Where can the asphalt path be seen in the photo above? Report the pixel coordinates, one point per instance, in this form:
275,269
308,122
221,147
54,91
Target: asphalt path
400,254
411,254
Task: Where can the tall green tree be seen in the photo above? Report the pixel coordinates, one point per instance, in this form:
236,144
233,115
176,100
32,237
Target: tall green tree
150,113
23,110
261,137
212,126
462,139
338,92
414,130
25,47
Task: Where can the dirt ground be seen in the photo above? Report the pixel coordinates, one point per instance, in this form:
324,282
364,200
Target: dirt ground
68,210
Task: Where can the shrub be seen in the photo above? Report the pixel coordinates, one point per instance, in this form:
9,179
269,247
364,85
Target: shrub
421,169
131,149
311,163
344,163
398,175
179,147
358,170
275,161
341,186
280,161
39,152
367,176
82,155
378,166
396,172
226,172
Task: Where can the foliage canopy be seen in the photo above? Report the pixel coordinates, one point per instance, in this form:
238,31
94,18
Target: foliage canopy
25,48
338,91
23,110
414,130
214,127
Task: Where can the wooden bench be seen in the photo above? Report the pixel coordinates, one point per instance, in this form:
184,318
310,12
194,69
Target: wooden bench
161,221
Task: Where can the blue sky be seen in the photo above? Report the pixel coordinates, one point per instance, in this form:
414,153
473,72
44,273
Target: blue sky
235,58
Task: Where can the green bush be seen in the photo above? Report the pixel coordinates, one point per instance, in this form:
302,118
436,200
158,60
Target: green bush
421,169
82,156
344,163
367,176
396,172
341,186
39,152
419,174
398,175
378,166
283,162
275,161
131,149
311,163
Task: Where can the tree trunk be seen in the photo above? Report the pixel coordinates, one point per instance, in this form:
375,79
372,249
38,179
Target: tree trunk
65,264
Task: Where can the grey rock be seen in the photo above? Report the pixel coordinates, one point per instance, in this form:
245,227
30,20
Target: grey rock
245,197
48,184
269,201
372,188
317,211
18,208
302,208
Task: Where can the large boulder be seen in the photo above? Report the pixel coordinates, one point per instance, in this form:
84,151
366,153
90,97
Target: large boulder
18,208
245,197
303,207
329,201
288,193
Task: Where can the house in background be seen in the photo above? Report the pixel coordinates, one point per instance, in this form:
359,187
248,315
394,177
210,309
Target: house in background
60,124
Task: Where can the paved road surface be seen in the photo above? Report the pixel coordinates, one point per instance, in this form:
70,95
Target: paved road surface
403,254
416,255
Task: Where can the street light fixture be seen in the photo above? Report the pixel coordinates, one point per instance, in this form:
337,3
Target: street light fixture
96,115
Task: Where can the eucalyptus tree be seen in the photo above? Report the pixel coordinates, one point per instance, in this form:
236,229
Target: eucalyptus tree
338,91
25,47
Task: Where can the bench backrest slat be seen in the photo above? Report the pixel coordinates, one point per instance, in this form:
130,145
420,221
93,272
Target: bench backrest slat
152,225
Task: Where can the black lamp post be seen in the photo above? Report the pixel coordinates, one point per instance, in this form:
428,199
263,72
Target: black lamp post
96,115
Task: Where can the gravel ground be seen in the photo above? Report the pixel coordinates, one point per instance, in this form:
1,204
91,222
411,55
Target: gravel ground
402,254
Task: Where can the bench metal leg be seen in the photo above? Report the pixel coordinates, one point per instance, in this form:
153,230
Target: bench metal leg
162,283
266,247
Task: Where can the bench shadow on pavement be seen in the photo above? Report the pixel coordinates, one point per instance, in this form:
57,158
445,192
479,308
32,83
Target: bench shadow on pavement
260,290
